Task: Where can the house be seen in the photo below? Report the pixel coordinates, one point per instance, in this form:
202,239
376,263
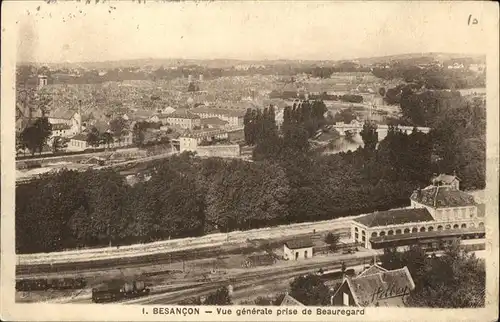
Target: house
190,139
297,249
73,119
78,142
184,119
375,286
290,301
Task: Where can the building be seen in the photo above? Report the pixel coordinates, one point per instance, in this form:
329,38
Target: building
190,139
298,249
42,81
213,123
184,119
375,286
433,209
447,180
63,119
61,129
233,117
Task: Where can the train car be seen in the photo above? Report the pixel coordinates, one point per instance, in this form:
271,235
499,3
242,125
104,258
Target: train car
116,290
40,284
335,274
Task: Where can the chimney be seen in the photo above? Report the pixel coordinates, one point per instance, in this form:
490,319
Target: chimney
80,114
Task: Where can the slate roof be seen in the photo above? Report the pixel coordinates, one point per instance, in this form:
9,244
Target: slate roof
62,114
213,121
374,269
395,217
442,197
183,114
218,111
290,301
79,137
369,289
299,243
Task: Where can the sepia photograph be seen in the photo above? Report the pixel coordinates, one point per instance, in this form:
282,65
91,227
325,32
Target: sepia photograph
248,160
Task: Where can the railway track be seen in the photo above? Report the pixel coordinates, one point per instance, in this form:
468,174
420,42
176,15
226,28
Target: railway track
28,271
243,281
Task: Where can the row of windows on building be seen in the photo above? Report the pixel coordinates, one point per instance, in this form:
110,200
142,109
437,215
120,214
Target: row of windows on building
457,213
413,230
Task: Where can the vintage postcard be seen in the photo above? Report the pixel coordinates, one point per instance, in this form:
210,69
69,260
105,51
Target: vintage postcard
249,161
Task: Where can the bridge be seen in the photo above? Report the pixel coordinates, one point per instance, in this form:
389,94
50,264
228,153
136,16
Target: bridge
356,127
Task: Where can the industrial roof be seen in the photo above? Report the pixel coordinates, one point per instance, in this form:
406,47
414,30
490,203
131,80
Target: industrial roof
290,301
395,217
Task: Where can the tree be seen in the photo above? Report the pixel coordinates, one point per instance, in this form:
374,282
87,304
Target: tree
118,127
35,136
106,138
220,297
138,134
310,290
369,135
93,137
59,143
191,87
332,241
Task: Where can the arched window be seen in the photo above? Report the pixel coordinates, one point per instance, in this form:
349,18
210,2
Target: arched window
455,226
415,230
407,231
430,228
374,234
463,226
355,228
398,231
440,228
390,232
447,227
363,232
422,229
481,224
382,234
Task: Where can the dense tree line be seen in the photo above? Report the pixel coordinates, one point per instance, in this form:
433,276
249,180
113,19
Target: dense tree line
432,78
455,280
458,131
188,196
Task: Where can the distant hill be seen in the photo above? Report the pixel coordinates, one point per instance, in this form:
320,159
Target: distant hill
441,57
227,63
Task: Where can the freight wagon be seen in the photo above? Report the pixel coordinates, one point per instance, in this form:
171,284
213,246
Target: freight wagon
116,290
41,284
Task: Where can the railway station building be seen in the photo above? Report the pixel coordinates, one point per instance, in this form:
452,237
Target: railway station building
436,211
298,249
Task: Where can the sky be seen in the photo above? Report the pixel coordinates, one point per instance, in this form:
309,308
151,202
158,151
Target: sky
313,30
